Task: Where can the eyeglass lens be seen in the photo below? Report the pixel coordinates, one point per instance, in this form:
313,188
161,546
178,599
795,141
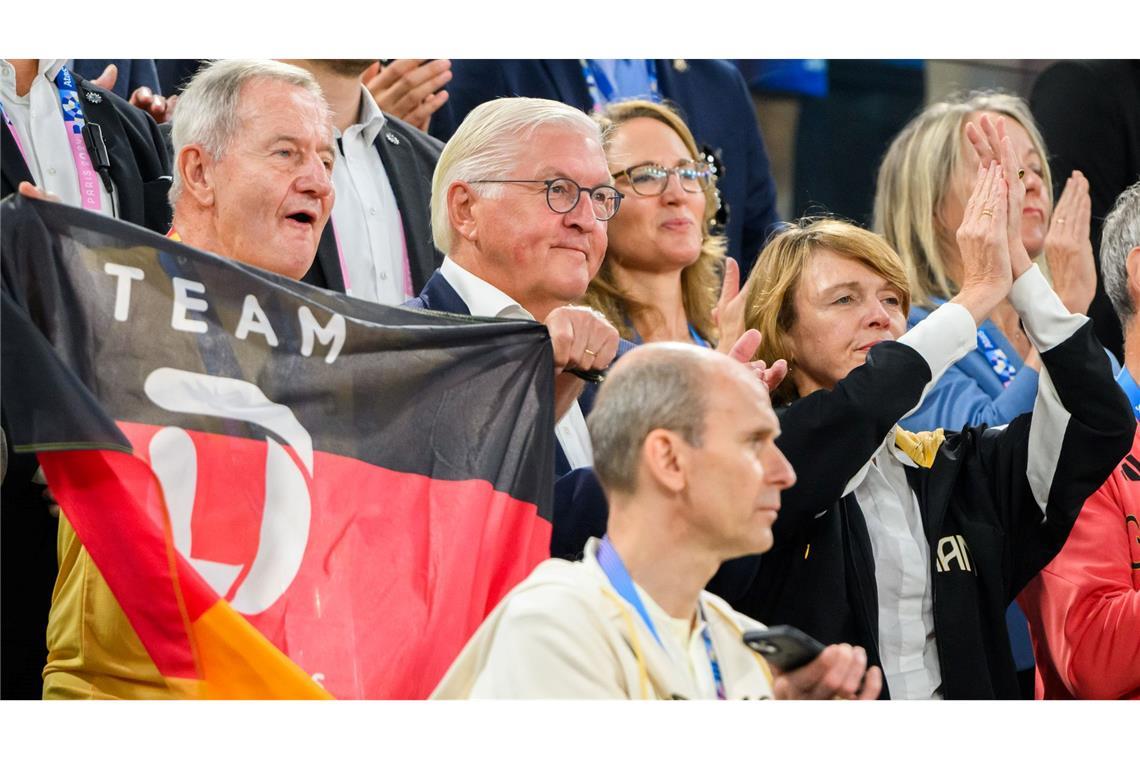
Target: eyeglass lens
562,196
651,179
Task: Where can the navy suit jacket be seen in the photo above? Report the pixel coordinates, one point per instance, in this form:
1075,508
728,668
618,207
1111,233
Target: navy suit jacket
712,97
580,508
409,157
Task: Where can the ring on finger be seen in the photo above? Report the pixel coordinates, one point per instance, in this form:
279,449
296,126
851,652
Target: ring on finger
987,212
591,353
1060,220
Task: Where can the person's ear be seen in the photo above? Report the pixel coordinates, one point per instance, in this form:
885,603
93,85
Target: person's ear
1132,266
461,203
196,168
665,458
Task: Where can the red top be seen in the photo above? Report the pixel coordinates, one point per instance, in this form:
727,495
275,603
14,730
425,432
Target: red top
1084,607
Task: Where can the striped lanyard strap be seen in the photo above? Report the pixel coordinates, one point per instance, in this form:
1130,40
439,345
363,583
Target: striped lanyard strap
999,361
603,91
73,122
622,583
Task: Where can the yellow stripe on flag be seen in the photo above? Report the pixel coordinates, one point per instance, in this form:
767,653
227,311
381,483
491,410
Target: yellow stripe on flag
238,662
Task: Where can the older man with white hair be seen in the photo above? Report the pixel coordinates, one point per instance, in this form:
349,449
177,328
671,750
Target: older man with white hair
1084,607
253,182
521,197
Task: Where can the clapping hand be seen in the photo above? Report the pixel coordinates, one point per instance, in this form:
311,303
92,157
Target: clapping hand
407,88
991,143
1068,249
983,242
734,340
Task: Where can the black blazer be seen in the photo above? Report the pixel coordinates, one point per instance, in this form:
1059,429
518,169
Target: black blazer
140,166
409,157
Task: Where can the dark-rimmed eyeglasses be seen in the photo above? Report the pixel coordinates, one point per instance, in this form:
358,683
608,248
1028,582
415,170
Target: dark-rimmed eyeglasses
562,195
651,179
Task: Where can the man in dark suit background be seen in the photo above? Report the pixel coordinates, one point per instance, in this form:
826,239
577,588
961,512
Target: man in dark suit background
711,95
378,244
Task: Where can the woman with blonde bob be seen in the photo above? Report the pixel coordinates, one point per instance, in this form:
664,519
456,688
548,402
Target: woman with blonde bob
912,546
661,275
923,183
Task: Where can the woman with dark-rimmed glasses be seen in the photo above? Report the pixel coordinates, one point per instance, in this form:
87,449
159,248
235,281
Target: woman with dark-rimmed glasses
661,275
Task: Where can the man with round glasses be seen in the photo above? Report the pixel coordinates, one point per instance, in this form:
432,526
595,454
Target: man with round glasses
520,242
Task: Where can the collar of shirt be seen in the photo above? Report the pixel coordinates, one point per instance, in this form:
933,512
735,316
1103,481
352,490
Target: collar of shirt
886,448
369,123
482,298
49,67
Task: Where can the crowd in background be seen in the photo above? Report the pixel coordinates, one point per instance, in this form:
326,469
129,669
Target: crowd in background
941,345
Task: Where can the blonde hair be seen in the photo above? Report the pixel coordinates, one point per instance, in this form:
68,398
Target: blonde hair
771,288
916,177
487,145
700,281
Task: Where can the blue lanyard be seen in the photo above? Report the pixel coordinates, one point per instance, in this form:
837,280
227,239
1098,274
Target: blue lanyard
999,361
718,681
602,90
618,576
1125,381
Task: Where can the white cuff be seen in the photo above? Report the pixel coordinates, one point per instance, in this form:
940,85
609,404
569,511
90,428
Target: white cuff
944,337
1043,317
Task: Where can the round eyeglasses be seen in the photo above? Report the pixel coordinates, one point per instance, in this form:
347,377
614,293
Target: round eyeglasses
651,179
562,195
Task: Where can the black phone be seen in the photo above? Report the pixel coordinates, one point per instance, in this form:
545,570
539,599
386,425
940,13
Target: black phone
784,646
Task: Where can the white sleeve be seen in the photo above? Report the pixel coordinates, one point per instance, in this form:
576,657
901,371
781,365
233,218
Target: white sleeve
944,337
1047,323
1045,319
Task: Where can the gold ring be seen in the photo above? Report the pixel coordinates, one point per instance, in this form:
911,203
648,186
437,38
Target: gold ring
591,353
987,212
1020,173
1060,220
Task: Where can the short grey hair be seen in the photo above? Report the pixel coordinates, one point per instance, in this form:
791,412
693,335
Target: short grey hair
207,109
1119,235
641,395
486,146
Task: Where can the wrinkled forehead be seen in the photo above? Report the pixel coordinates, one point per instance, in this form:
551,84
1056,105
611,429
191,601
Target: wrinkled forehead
263,102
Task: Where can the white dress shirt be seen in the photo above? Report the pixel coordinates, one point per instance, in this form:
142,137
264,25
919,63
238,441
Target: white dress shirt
37,120
485,300
365,218
907,647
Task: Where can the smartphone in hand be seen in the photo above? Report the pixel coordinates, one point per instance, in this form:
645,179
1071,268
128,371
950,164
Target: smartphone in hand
784,646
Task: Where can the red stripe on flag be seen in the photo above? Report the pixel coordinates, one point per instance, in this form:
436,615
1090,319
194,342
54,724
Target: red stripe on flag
111,499
398,569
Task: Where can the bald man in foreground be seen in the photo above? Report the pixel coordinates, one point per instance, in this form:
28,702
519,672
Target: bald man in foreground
684,446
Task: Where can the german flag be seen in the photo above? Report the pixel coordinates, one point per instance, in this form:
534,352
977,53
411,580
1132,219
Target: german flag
289,493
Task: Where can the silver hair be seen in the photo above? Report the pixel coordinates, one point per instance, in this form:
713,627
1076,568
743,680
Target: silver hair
1120,234
486,146
643,396
208,107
